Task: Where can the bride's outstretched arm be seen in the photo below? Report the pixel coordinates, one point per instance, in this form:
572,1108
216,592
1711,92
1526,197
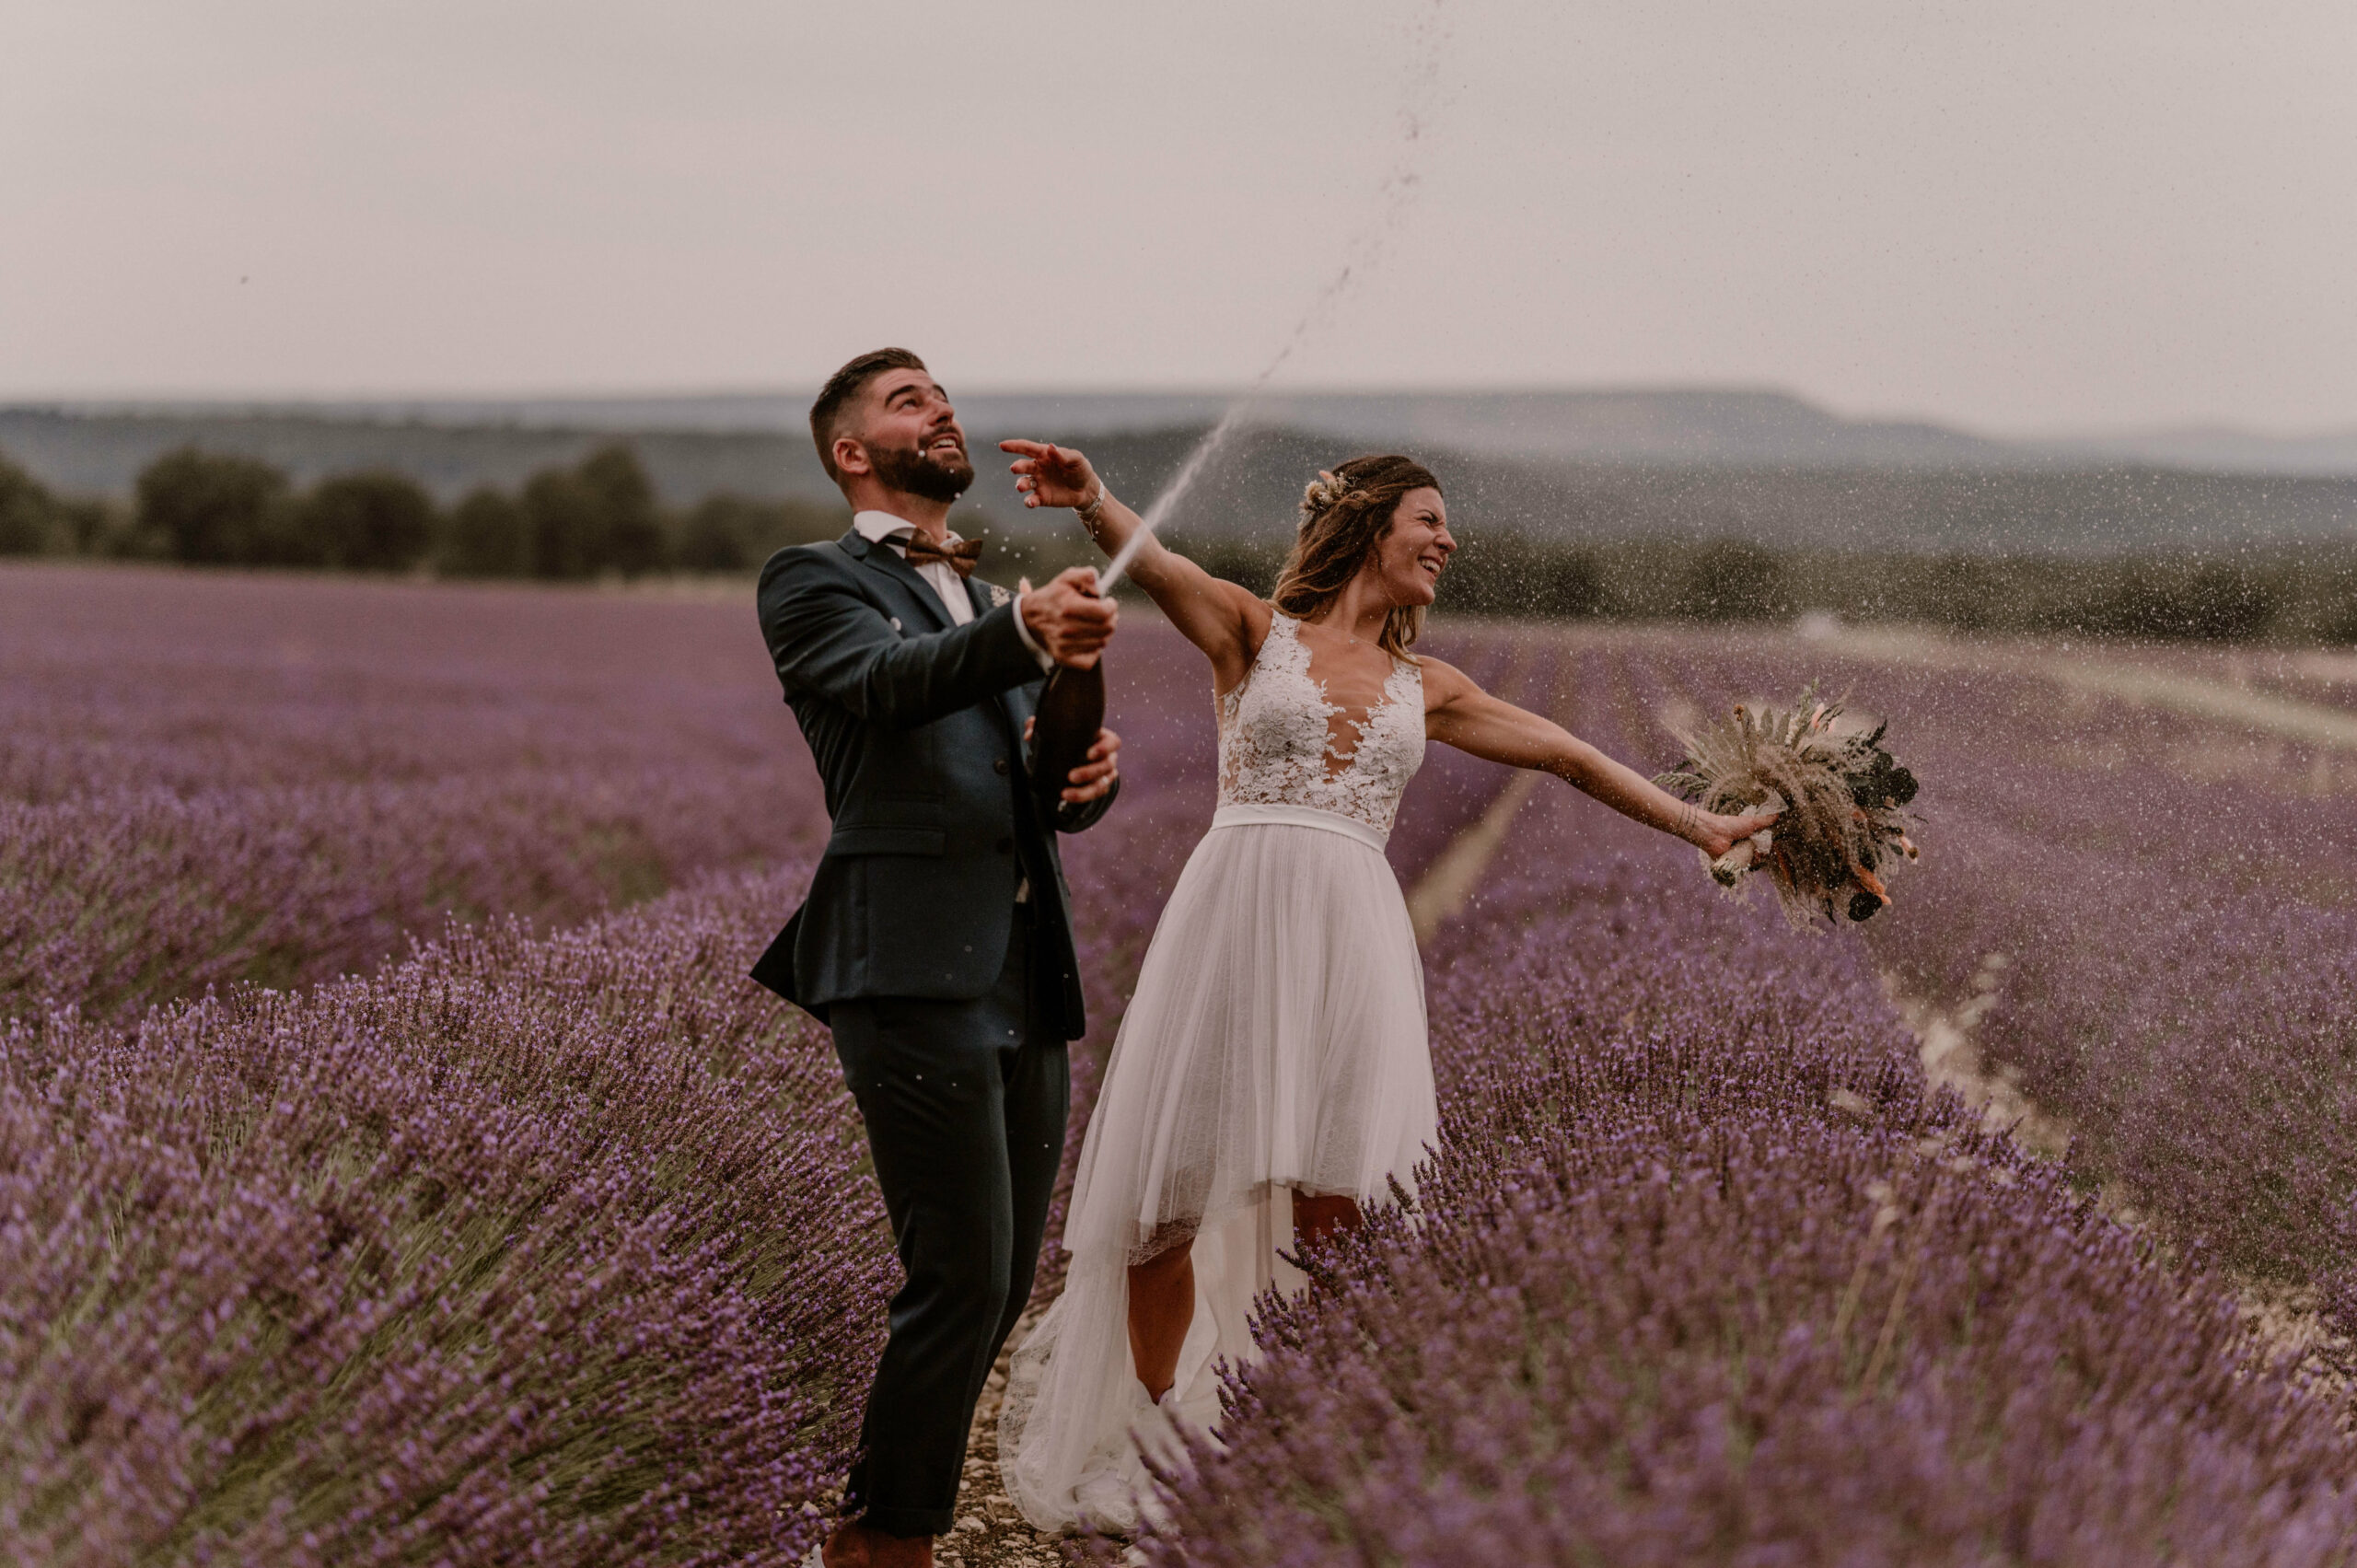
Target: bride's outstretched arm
1223,619
1459,711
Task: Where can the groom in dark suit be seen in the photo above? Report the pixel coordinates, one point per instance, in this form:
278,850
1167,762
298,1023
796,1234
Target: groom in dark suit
936,938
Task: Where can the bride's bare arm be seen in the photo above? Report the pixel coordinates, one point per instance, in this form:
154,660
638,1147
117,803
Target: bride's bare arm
1223,619
1459,713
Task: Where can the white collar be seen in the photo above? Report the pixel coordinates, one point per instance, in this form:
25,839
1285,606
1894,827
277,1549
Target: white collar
878,527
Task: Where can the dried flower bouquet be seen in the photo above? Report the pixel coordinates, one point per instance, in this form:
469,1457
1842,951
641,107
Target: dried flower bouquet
1841,792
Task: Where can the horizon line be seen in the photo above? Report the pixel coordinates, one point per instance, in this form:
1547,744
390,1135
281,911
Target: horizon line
301,402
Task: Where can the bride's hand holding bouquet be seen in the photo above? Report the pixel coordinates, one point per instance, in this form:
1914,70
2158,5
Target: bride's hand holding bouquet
1837,794
1718,834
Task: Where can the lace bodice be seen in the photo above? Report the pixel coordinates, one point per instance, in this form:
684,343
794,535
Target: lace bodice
1276,745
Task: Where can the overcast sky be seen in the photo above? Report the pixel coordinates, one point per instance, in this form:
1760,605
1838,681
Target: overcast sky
2018,214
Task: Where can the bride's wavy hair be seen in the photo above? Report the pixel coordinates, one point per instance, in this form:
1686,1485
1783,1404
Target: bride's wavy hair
1345,513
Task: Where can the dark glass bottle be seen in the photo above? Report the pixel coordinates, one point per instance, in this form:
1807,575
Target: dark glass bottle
1070,712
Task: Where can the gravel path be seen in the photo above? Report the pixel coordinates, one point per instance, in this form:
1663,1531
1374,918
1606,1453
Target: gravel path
991,1532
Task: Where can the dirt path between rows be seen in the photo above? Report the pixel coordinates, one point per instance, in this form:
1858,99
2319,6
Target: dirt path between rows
1448,884
2219,701
2287,1318
991,1531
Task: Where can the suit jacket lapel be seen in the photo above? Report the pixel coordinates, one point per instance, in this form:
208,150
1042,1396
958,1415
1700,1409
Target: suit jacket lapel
1011,704
884,559
978,595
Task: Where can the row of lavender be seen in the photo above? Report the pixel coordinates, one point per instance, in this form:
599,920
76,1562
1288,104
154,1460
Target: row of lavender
545,1247
206,779
1701,1274
2154,910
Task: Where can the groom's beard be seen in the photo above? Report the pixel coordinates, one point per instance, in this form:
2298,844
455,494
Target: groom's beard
934,477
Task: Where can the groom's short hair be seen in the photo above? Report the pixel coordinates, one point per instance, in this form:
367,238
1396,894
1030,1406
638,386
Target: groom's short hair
826,414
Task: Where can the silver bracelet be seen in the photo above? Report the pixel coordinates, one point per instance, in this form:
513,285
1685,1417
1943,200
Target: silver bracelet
1089,514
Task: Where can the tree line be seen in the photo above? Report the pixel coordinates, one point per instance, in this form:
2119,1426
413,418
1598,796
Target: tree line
2304,595
601,517
595,518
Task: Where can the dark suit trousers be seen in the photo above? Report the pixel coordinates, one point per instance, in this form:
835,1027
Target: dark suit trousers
964,1105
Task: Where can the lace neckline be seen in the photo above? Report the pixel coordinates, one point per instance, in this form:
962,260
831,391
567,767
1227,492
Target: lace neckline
1278,741
1338,761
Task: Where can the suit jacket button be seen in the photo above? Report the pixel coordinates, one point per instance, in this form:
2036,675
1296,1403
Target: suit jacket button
1007,846
998,766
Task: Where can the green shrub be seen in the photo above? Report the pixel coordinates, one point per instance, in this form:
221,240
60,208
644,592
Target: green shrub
373,521
28,520
1732,580
726,532
597,517
632,539
215,508
484,536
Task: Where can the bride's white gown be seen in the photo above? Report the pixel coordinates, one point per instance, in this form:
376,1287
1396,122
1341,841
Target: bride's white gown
1276,1044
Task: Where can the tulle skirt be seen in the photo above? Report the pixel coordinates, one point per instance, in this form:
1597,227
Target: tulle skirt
1276,1044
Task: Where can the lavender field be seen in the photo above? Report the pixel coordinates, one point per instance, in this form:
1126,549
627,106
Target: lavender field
395,1167
208,780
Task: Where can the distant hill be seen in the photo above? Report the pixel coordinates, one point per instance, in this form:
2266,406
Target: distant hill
1738,426
1755,464
2228,451
2051,508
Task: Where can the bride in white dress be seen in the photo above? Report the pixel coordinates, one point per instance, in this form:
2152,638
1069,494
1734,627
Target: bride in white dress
1271,1072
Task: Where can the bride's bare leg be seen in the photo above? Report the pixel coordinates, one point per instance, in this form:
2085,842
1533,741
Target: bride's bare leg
1162,1306
1315,1219
1162,1289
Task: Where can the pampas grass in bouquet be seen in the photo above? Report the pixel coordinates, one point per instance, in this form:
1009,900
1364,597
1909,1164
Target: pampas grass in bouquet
1842,796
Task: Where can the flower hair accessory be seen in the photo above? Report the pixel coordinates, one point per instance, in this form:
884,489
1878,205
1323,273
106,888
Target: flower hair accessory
1323,492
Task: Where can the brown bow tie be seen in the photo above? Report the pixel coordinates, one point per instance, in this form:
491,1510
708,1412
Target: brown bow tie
959,555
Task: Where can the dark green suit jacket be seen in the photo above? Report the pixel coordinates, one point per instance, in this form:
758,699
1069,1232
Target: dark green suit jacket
916,725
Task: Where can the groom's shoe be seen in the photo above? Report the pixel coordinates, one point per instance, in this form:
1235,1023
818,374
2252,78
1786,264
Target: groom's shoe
853,1545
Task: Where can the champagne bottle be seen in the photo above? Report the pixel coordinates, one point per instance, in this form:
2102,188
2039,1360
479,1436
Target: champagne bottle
1070,712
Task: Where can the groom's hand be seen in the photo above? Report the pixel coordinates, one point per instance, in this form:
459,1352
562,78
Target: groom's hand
1067,617
1093,778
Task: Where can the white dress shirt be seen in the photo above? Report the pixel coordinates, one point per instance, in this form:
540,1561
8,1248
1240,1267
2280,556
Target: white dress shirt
882,528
